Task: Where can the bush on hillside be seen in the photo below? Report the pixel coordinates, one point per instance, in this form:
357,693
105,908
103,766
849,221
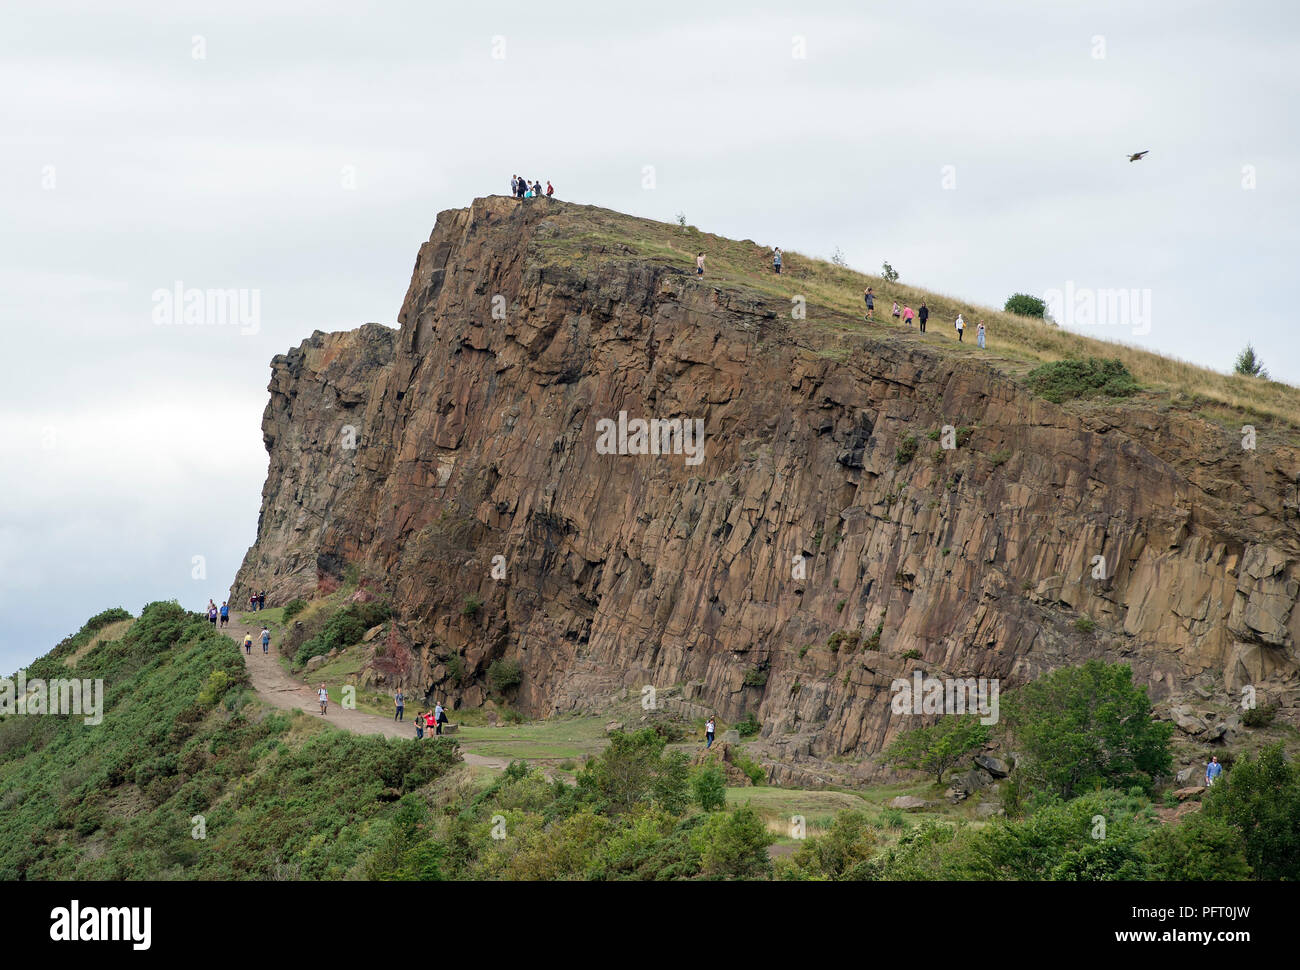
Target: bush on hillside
710,788
505,675
1025,305
344,628
293,608
748,725
1066,380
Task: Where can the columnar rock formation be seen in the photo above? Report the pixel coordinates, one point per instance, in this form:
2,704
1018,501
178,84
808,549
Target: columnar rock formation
474,432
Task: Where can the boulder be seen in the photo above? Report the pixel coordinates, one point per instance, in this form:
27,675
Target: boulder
613,727
373,632
361,596
731,736
988,810
1195,791
994,766
1187,722
908,803
314,663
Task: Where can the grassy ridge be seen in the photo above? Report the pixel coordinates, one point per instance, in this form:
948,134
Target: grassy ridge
1016,344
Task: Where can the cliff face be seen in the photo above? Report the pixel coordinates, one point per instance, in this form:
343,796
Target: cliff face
476,432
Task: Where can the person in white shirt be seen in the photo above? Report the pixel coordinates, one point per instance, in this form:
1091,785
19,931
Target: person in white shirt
961,326
709,730
324,696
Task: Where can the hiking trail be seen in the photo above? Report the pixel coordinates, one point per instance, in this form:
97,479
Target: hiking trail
277,688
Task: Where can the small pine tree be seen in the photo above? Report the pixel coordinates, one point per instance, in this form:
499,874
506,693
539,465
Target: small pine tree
1249,365
888,272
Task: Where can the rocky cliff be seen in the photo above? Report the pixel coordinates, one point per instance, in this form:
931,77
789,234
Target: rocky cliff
821,544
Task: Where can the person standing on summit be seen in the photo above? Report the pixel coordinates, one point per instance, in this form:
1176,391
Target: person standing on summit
961,327
923,314
870,297
776,260
699,265
549,190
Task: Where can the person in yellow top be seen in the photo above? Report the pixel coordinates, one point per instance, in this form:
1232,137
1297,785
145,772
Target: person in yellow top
248,643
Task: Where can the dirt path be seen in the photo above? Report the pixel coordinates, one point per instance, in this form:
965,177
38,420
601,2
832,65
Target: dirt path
279,689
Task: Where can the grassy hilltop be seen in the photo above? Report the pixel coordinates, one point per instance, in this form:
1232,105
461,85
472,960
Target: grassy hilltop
1016,345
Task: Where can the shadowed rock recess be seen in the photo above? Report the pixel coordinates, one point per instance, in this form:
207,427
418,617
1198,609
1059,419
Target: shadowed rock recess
475,437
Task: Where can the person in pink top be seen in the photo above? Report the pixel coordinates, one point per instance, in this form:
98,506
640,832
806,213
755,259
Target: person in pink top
907,315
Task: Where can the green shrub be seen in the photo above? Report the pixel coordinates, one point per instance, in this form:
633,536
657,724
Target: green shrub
938,747
1066,380
756,677
911,654
504,675
217,684
1258,717
752,769
1085,624
710,788
293,608
471,606
906,450
1025,305
748,726
346,627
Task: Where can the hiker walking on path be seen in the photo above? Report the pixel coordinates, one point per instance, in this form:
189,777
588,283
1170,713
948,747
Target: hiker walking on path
431,722
961,327
248,643
266,641
907,315
225,613
1212,771
709,730
419,726
923,314
979,334
212,613
549,191
776,260
324,696
871,303
894,312
261,600
699,265
401,702
439,716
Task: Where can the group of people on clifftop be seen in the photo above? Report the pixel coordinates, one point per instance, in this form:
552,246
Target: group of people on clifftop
905,314
521,188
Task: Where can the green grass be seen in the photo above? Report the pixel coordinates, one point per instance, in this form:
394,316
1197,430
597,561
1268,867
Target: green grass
555,738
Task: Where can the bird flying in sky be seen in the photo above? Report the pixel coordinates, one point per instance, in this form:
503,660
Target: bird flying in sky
1134,158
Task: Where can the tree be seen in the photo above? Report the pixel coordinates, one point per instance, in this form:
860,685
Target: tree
838,257
888,273
1261,799
937,748
1025,305
1250,365
710,787
1080,728
634,770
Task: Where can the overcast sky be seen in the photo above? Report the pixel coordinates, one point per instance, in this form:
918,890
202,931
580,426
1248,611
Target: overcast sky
299,152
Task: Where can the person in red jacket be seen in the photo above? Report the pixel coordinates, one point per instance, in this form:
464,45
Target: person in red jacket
549,191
